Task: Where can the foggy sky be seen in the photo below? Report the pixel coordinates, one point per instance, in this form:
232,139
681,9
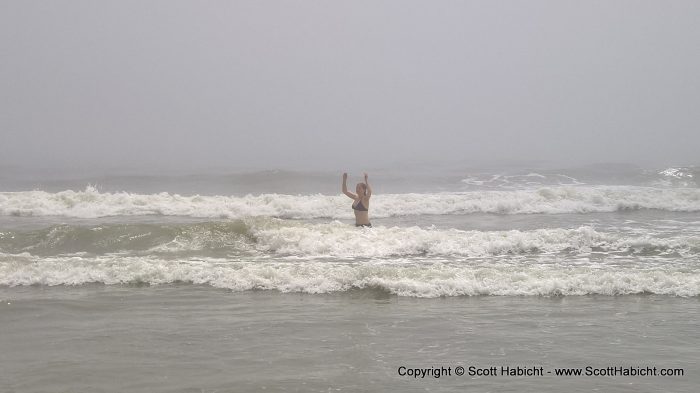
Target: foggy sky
330,84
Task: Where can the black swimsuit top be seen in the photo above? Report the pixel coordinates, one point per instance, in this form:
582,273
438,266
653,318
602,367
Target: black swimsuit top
359,206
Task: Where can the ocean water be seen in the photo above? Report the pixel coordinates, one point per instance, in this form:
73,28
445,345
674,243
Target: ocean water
206,282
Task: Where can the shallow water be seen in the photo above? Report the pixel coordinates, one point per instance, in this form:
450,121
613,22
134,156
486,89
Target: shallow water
185,338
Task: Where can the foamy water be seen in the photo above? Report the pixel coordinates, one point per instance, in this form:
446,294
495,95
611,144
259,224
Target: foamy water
607,239
294,256
91,203
404,277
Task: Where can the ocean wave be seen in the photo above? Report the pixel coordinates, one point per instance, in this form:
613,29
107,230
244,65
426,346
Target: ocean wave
91,203
400,277
678,177
679,172
340,240
135,238
518,181
265,236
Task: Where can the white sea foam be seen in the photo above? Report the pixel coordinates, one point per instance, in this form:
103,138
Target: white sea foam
338,240
511,182
401,277
679,173
677,177
423,262
91,203
277,237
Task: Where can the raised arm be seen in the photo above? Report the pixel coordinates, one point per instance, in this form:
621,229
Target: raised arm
345,187
369,189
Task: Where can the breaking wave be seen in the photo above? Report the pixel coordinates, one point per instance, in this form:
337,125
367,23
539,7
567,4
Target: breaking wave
274,237
91,203
401,277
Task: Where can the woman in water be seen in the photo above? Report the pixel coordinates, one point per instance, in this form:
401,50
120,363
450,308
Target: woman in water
361,201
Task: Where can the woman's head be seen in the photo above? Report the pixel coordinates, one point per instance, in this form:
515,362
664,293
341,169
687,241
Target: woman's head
361,189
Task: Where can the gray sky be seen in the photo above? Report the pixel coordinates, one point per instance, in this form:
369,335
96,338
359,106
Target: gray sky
319,84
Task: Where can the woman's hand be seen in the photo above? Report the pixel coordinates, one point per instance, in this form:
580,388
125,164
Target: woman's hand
365,177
